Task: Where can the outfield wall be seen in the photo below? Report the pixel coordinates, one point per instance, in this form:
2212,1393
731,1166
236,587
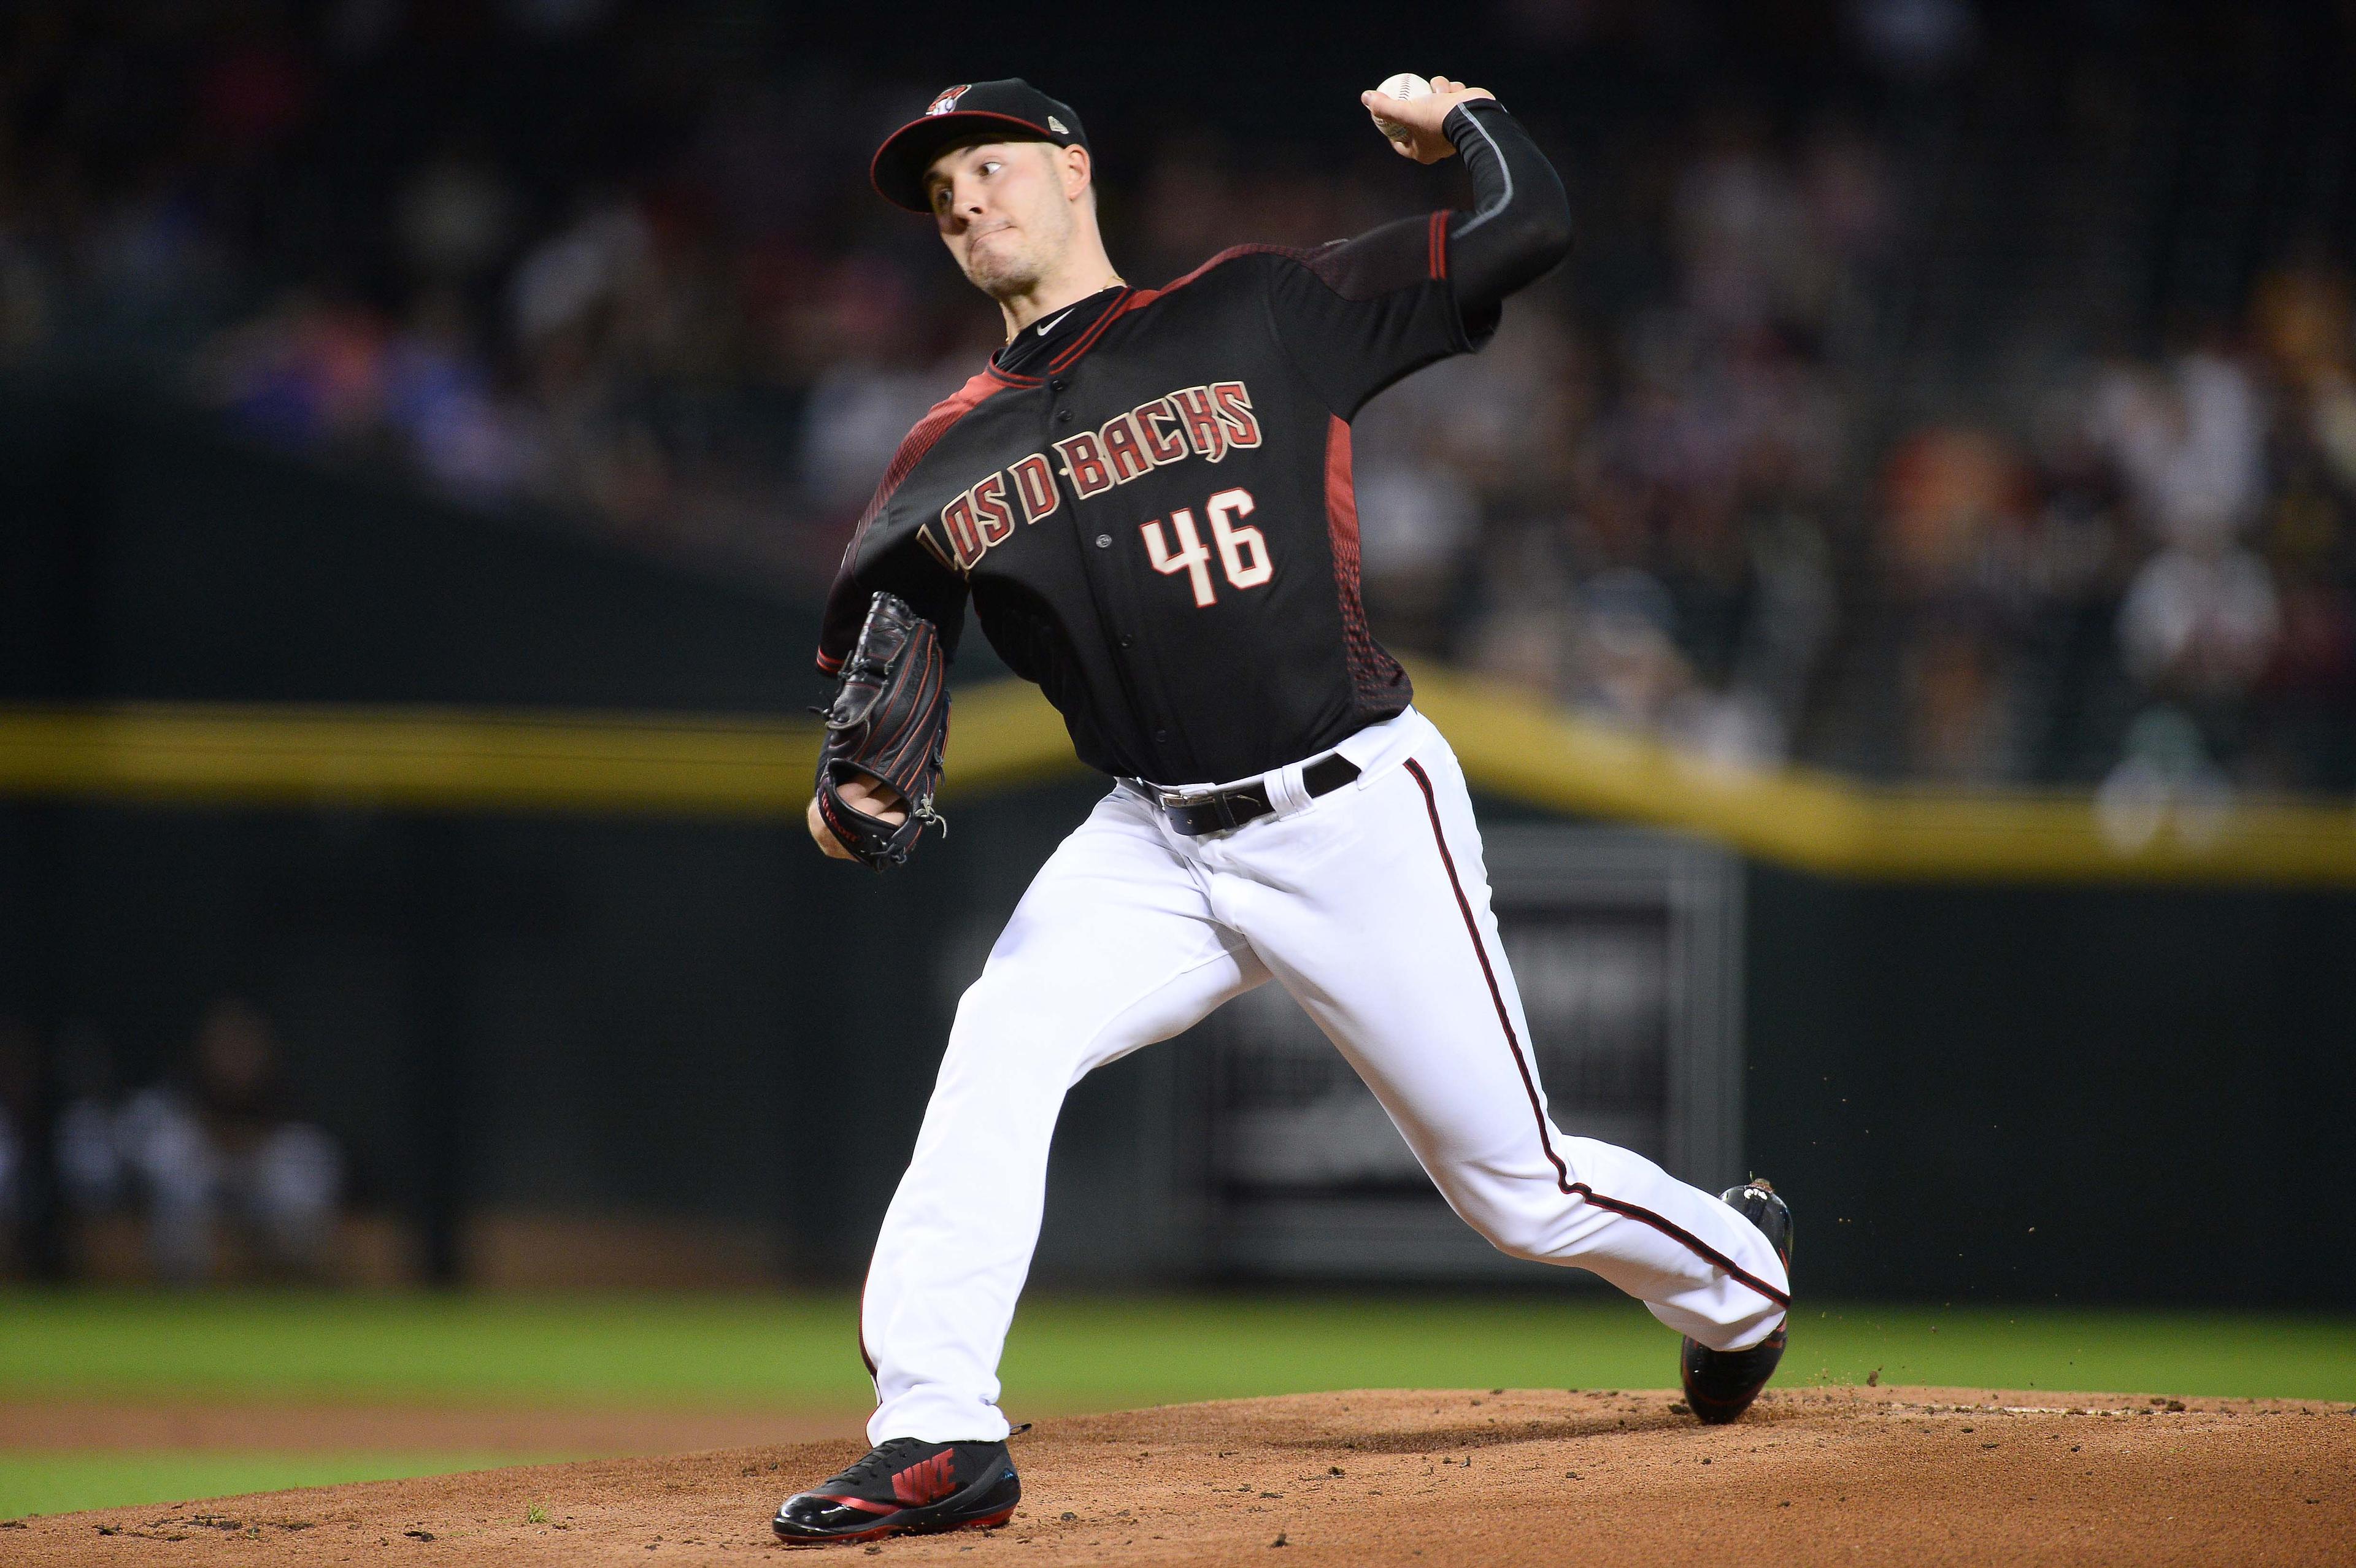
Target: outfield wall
2037,1092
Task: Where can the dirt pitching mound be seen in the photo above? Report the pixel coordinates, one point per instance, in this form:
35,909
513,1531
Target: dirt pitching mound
1917,1476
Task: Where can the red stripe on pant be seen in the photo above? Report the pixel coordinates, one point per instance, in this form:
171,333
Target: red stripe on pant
1529,1083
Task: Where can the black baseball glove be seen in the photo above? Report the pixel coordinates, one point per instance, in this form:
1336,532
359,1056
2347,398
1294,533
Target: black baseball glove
890,722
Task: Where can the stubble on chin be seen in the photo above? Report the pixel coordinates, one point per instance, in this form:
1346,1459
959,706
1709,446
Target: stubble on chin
1001,269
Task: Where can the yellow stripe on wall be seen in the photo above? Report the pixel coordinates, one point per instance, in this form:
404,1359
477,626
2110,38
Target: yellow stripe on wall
1004,734
452,759
438,758
1525,749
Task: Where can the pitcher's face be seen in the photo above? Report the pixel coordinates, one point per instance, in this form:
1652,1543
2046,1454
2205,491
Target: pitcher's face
1005,210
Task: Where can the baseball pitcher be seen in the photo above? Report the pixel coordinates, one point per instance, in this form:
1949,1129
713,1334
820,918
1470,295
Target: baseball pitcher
1145,497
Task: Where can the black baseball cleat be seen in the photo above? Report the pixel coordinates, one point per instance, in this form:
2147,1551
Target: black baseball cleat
906,1487
1721,1385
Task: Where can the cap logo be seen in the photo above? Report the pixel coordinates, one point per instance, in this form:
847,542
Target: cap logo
947,102
1057,126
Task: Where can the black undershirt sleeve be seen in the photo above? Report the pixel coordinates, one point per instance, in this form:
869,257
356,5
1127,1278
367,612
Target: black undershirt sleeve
1359,314
1519,228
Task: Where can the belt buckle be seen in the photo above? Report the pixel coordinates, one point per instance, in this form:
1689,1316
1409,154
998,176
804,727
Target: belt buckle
1218,801
1181,800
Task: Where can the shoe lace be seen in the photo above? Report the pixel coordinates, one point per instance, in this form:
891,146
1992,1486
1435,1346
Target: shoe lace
885,1457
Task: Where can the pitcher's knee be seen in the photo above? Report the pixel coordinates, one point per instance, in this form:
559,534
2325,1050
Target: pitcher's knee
1517,1231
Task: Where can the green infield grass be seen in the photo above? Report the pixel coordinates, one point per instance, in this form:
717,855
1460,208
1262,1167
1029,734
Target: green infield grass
797,1351
64,1483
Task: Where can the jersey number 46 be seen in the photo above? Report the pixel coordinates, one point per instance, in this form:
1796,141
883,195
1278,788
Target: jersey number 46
1243,551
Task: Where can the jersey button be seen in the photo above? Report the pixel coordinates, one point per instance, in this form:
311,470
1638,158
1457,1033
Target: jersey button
1063,416
1129,642
1160,735
1104,541
1057,385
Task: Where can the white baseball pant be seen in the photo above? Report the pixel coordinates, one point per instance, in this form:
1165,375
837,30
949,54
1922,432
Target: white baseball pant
1370,905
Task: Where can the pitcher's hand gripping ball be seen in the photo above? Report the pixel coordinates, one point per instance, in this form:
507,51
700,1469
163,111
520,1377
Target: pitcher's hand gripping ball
1417,127
889,722
1406,87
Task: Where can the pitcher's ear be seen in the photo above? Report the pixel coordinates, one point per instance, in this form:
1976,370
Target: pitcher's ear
1079,171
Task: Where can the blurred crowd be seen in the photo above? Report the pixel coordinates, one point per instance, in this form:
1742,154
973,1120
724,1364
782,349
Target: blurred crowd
2146,583
207,1171
561,266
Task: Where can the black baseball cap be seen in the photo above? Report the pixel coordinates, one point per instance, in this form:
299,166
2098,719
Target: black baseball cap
1010,109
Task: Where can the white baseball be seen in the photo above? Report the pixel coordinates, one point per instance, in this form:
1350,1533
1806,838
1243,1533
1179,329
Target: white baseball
1404,87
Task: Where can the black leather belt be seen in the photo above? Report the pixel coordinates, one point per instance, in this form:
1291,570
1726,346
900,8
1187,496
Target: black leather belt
1215,810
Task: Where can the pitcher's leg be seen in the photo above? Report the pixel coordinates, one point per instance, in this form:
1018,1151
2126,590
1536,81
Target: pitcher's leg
1377,920
1113,948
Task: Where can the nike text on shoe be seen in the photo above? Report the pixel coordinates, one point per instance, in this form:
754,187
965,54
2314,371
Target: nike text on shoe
906,1487
1721,1385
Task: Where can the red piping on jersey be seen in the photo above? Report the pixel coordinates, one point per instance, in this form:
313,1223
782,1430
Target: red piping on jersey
1086,339
1147,296
1568,1188
1137,299
1366,662
1341,520
912,447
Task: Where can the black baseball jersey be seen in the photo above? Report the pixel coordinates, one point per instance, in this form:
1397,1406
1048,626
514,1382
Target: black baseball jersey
1148,499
